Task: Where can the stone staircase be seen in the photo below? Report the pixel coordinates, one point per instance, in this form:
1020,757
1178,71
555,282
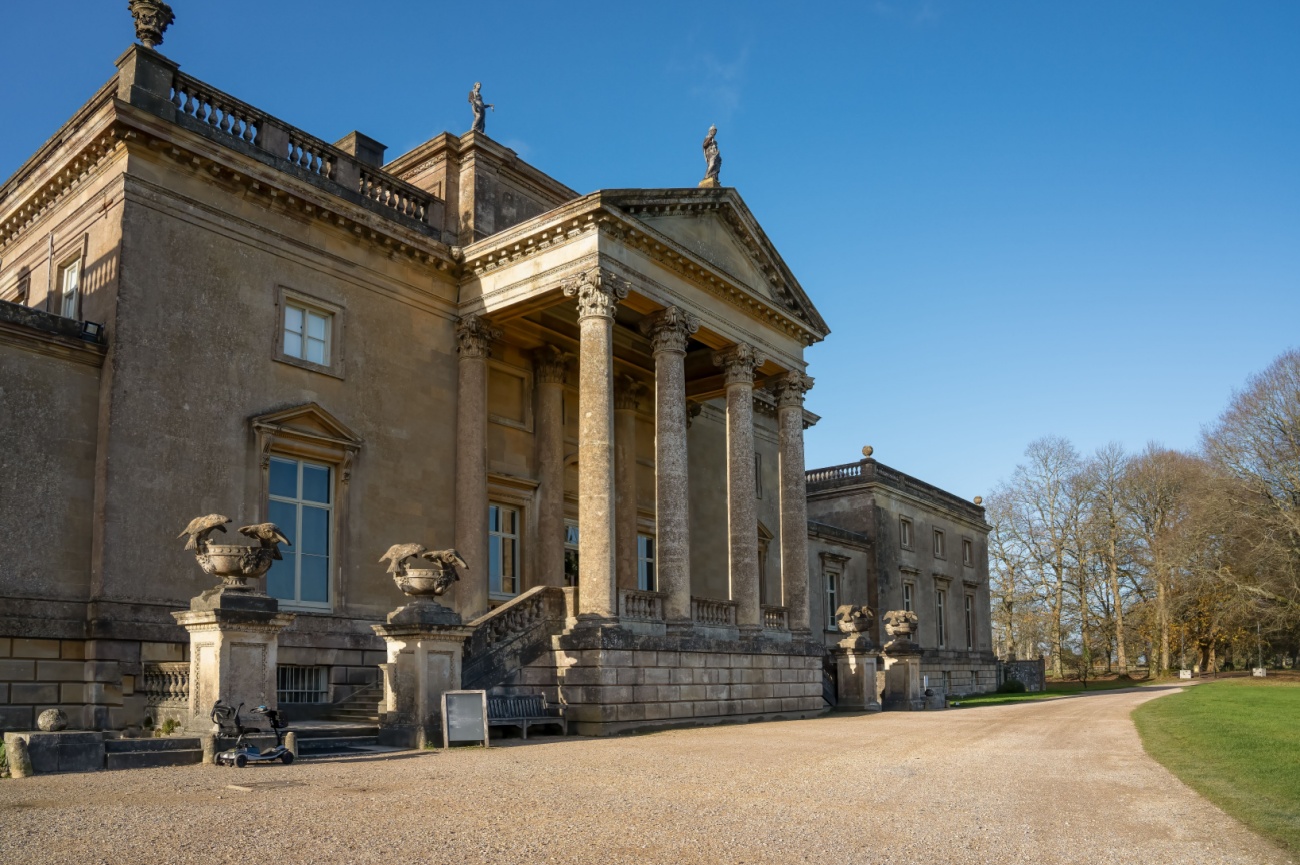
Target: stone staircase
359,707
513,635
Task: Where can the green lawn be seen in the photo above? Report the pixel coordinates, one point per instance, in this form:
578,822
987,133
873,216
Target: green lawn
1054,689
1236,742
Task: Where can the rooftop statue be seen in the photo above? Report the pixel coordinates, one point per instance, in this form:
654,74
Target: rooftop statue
477,104
152,17
712,159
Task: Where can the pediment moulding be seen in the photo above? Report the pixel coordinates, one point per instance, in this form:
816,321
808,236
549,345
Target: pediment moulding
309,431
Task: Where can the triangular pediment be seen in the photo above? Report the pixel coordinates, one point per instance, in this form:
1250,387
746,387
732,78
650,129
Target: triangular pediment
708,235
715,226
308,421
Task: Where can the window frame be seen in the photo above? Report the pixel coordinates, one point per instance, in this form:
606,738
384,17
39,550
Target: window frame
331,557
74,265
906,533
970,622
830,596
572,547
646,564
909,595
968,552
940,612
500,594
336,331
940,545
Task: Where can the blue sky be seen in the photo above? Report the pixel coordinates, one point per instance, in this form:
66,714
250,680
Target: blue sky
1019,218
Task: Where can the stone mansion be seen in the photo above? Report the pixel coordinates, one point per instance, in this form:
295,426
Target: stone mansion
597,399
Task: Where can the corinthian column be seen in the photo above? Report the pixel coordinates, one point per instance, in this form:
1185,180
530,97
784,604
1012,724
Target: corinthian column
790,390
669,329
550,365
598,293
474,336
627,395
739,362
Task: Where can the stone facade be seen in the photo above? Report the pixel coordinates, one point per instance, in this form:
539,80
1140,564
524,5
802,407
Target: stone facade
204,308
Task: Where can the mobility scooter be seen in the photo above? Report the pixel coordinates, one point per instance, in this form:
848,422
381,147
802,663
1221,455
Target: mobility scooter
227,721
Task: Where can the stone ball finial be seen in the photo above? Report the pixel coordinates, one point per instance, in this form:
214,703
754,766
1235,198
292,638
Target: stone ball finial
152,18
979,500
52,721
868,450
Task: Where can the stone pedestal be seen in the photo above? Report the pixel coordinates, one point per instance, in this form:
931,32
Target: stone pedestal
62,751
234,638
903,691
855,679
426,642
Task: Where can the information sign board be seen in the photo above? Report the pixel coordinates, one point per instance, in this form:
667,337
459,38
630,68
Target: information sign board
464,717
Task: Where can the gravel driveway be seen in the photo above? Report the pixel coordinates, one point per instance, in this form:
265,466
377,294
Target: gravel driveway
1059,781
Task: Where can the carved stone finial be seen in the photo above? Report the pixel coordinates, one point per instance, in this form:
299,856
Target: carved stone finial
598,292
867,451
475,336
152,18
790,389
979,500
627,392
712,160
669,329
739,362
551,364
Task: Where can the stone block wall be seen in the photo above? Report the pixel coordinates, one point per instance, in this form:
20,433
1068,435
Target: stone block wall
614,681
960,674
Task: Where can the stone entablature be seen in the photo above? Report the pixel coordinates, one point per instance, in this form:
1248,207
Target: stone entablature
867,472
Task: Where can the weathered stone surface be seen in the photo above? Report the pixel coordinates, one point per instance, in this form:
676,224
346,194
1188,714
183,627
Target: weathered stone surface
60,751
52,721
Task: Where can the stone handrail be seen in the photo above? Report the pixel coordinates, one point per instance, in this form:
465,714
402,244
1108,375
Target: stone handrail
833,473
641,605
776,618
167,683
709,611
225,117
512,635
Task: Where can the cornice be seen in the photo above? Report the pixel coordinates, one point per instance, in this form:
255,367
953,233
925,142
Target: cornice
52,345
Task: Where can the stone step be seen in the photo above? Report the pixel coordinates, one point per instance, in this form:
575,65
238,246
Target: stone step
151,759
334,745
354,715
170,743
334,731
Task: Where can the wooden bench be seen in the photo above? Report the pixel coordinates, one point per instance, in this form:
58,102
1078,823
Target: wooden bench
523,712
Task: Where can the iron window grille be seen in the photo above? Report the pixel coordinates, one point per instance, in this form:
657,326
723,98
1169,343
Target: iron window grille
295,684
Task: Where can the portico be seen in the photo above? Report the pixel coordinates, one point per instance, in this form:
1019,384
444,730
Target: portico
627,309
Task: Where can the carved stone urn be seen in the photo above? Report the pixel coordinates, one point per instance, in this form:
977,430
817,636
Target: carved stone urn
236,564
423,585
152,18
854,622
901,625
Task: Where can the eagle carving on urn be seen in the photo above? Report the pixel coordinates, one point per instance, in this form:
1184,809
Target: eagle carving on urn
418,582
199,529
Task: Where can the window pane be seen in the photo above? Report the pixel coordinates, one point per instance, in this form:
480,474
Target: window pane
316,351
293,319
315,578
315,531
494,520
509,567
284,515
571,535
511,519
292,344
279,580
283,481
494,564
316,484
316,326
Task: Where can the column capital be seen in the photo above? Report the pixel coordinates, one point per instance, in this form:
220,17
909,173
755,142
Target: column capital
627,392
669,328
739,362
551,364
791,387
598,292
474,336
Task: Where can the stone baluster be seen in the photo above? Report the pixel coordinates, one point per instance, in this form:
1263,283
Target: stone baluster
740,362
627,396
669,329
598,293
474,337
790,390
550,365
